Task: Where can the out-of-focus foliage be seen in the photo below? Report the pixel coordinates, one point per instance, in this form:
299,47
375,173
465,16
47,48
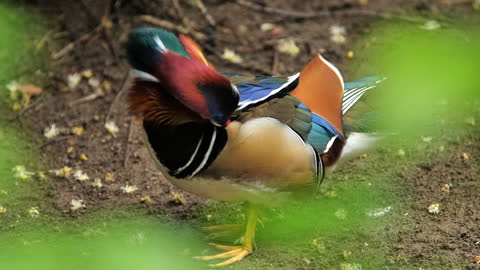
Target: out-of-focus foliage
119,245
426,70
22,44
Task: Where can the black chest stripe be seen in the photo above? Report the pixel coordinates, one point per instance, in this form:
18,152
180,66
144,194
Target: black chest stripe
191,158
188,149
207,154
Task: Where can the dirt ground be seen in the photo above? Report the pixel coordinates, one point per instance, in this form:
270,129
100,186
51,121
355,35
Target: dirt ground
98,32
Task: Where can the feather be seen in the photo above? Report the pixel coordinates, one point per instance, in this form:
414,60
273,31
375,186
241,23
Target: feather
194,50
355,90
321,90
261,89
146,47
187,149
359,143
156,106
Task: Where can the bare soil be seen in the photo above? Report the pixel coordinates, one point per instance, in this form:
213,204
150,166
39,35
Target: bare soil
449,237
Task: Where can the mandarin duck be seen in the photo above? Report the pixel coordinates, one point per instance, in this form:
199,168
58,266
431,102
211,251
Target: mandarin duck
233,137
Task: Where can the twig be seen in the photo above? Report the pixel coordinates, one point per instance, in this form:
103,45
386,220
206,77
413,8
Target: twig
170,26
120,93
106,24
275,62
98,93
31,105
43,40
310,15
295,14
178,9
259,70
127,151
54,140
70,46
205,13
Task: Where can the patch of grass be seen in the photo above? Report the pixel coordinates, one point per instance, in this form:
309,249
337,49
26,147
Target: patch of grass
18,27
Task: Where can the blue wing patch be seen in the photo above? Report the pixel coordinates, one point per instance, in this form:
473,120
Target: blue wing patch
321,132
258,89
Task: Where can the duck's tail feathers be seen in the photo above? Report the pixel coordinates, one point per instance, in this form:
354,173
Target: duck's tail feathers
355,90
358,144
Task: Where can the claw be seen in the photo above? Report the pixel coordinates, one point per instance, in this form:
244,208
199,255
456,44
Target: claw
234,253
242,254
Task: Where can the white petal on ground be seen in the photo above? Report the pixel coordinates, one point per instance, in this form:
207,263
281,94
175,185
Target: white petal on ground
434,208
33,212
338,33
80,176
427,139
20,172
111,127
129,189
97,183
76,204
379,212
431,25
51,131
350,266
337,29
73,80
341,213
13,86
288,46
231,56
267,26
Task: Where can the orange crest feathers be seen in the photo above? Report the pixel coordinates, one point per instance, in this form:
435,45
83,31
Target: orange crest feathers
194,50
321,89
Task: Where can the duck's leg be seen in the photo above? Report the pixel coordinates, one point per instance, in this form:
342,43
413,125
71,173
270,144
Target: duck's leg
236,253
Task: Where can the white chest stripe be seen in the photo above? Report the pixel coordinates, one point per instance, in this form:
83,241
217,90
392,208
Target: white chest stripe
207,155
192,157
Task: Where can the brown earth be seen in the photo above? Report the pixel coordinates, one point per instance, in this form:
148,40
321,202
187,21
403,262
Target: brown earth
449,237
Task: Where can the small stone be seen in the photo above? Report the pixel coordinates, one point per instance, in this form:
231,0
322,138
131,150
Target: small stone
109,177
178,197
319,245
78,130
400,153
267,26
446,188
350,54
145,199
